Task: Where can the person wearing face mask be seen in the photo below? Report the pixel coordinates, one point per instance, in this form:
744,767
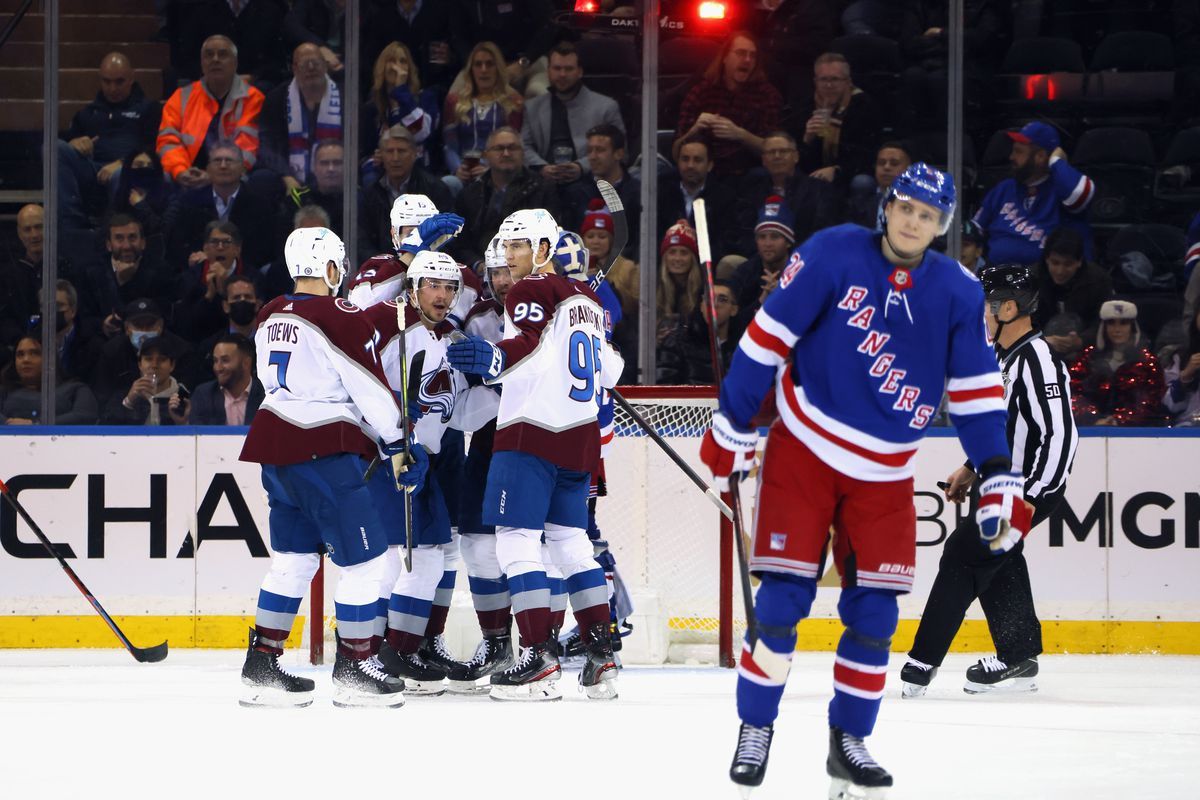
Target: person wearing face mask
239,306
79,342
147,399
140,190
118,367
235,394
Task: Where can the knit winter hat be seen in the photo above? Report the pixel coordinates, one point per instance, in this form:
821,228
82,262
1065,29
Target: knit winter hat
1118,309
681,234
776,216
596,218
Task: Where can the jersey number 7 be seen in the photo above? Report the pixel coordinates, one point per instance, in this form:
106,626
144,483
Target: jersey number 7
279,359
583,360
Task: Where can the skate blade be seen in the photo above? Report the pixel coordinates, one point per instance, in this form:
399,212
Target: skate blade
842,789
545,690
349,698
912,690
482,686
424,688
265,697
745,791
1010,686
605,688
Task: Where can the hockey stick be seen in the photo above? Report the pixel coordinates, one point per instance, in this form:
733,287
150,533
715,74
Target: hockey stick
143,654
620,229
735,496
408,537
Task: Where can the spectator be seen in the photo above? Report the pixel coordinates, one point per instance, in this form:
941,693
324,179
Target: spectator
780,175
676,194
147,401
203,285
21,390
480,102
118,367
556,123
973,247
1192,256
680,281
794,32
423,27
78,341
188,128
606,157
1044,192
298,115
235,395
623,276
21,278
843,124
142,192
686,356
507,186
226,197
126,271
732,107
774,237
325,190
524,30
401,175
319,22
1067,284
1117,381
1182,398
254,30
396,100
102,134
866,193
240,305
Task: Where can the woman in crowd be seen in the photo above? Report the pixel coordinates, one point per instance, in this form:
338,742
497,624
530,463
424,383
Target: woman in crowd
1117,381
680,282
1182,398
142,191
397,99
21,390
479,102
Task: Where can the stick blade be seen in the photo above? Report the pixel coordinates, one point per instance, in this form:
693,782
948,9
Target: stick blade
150,655
609,193
620,224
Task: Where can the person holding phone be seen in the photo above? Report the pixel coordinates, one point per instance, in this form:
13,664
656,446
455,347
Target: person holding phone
148,399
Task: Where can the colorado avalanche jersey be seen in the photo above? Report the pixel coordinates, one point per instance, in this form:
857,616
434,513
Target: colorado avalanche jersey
486,320
861,352
1017,218
558,362
326,392
381,278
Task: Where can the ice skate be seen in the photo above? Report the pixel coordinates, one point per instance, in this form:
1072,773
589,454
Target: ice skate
915,677
534,677
435,653
570,647
599,675
750,759
990,674
420,679
269,684
364,683
855,775
494,654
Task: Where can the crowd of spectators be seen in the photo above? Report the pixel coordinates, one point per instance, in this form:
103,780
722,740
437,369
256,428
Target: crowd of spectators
173,213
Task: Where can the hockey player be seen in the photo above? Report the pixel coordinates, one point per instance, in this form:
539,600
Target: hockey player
552,363
318,364
1043,437
863,334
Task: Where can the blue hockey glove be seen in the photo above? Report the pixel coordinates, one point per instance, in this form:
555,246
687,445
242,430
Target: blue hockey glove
475,355
432,234
410,470
1003,516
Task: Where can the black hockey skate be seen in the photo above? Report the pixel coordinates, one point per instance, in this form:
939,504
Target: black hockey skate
269,684
435,653
570,647
855,775
534,677
990,674
750,759
599,674
915,677
494,654
365,683
420,678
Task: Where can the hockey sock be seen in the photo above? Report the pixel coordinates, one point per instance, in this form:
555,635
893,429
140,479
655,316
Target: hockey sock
860,667
571,551
355,600
412,600
279,598
392,565
519,553
782,601
489,586
441,604
604,558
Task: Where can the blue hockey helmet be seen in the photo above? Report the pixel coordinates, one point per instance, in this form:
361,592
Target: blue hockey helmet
927,185
571,256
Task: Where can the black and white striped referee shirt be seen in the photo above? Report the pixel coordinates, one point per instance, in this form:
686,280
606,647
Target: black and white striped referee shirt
1041,428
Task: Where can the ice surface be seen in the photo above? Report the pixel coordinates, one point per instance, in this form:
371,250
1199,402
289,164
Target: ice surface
93,723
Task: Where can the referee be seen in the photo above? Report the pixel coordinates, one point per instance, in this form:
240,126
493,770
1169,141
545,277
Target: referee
1042,435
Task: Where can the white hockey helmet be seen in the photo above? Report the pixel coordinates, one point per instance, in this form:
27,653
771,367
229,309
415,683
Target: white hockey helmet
533,225
433,264
408,210
309,251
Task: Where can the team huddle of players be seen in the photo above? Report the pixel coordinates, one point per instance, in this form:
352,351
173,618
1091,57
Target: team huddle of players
360,440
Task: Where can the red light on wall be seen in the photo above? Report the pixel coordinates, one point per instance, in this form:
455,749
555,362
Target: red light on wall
586,6
711,9
1040,87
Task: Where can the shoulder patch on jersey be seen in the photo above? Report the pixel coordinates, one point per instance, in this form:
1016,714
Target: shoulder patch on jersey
343,304
967,272
794,265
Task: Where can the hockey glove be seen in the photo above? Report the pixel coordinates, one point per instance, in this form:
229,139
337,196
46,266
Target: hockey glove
727,450
475,355
1003,517
432,234
410,470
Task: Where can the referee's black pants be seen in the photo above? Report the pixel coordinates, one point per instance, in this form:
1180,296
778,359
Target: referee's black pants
969,570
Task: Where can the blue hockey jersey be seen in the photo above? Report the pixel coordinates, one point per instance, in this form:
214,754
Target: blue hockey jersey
612,315
1193,248
1017,218
861,352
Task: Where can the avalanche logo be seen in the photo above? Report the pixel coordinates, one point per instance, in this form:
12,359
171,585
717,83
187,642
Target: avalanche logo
794,265
345,305
437,393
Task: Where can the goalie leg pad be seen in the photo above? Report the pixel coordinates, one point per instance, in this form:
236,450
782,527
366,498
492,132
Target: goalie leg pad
283,588
571,551
412,600
860,667
519,551
355,600
782,601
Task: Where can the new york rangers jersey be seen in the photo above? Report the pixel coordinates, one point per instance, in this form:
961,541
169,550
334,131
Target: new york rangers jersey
1192,257
326,393
381,278
1018,218
860,353
558,362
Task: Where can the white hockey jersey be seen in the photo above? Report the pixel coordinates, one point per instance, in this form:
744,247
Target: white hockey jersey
381,278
